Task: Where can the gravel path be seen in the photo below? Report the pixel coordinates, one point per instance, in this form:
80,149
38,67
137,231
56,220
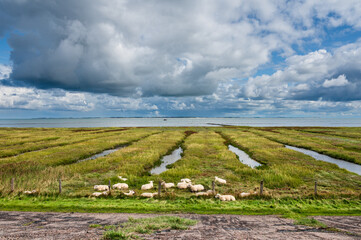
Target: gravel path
35,225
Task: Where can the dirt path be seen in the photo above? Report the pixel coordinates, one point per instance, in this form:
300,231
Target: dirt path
34,225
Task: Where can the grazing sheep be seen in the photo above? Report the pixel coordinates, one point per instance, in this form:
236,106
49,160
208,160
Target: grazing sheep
220,180
148,195
147,186
130,193
101,187
196,188
244,194
120,186
225,197
187,180
167,185
183,185
208,193
98,194
123,179
30,192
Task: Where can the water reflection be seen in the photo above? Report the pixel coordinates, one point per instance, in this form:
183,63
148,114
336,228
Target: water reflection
166,160
102,154
243,157
352,167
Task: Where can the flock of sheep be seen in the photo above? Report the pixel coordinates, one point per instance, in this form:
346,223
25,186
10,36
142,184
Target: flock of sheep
185,183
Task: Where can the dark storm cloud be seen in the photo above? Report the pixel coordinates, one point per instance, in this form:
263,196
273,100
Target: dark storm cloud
169,48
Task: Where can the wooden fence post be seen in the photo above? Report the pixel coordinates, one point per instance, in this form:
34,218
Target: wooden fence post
60,186
12,184
261,188
109,185
159,187
316,187
213,187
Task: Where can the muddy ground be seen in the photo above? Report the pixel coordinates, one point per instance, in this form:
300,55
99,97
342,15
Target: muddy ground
35,225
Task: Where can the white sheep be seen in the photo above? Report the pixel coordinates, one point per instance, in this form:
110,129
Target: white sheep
120,186
220,180
209,192
130,193
30,192
101,187
123,179
167,185
148,195
147,186
98,194
187,180
183,185
244,194
196,188
225,197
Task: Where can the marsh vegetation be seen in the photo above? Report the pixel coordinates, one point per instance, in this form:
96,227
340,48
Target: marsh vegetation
37,158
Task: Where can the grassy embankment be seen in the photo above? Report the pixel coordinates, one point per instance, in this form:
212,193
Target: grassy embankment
288,176
14,145
348,149
35,170
282,206
347,132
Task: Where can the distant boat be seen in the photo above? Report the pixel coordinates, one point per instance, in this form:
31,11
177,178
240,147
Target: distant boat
164,119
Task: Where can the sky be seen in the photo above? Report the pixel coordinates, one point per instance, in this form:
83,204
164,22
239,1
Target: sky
206,58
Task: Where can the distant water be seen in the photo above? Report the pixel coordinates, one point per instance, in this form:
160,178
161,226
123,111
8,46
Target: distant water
180,122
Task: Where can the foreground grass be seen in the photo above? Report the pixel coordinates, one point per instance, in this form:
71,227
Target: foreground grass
130,229
282,206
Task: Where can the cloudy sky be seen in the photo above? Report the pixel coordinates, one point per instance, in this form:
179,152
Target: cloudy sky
229,58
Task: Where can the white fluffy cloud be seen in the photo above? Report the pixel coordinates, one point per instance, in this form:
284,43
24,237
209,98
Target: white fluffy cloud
176,48
200,56
336,82
5,71
312,76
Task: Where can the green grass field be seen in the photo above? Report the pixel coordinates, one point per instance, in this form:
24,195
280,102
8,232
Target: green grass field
36,158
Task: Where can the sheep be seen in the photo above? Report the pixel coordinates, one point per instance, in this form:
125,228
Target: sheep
148,195
167,185
244,194
187,180
98,194
123,179
120,186
147,186
183,185
101,187
196,188
225,197
130,193
30,192
220,180
209,192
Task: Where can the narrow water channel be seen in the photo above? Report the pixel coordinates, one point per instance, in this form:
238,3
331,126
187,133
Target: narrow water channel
166,160
102,154
243,157
352,167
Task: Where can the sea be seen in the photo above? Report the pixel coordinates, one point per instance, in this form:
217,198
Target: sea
178,122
